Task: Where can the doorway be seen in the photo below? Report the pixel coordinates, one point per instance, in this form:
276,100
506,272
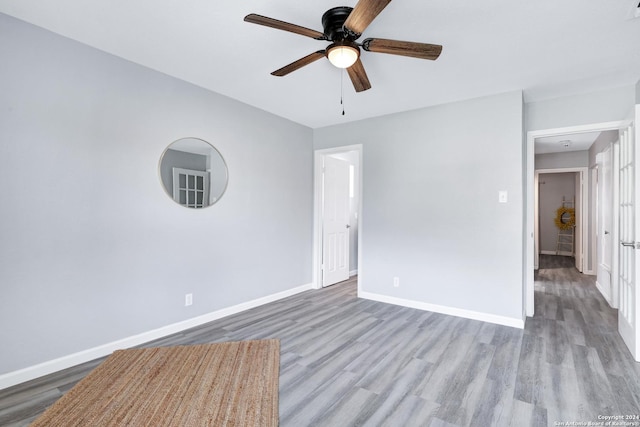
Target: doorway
328,227
531,194
562,188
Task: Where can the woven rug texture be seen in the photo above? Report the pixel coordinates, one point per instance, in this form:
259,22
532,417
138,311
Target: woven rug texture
221,384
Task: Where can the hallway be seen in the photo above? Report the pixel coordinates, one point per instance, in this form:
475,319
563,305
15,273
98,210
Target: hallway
573,362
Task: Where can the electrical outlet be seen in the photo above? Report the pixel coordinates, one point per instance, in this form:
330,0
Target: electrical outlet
396,282
188,299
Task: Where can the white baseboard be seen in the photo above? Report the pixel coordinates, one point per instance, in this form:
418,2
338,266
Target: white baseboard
452,311
353,273
563,253
32,372
606,295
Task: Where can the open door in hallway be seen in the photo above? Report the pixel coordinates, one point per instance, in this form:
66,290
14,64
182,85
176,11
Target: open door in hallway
629,256
335,221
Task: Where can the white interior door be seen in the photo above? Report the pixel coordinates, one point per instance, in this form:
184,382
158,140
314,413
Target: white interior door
191,187
335,221
604,230
577,231
629,254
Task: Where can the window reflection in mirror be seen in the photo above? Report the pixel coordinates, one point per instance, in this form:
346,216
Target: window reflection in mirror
193,173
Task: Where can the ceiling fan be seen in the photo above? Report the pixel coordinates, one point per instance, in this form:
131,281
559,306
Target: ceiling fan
343,26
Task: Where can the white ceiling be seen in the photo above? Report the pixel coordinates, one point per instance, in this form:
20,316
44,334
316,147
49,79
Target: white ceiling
548,48
574,142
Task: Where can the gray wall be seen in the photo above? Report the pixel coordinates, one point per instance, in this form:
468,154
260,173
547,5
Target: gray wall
589,108
92,250
638,92
553,188
571,159
430,203
601,143
219,176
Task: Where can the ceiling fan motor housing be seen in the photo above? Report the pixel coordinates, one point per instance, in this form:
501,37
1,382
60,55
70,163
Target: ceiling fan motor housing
333,23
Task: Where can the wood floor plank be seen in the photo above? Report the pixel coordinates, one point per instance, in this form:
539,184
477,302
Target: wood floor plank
352,410
526,415
593,383
496,407
460,397
529,386
412,411
388,405
313,406
434,386
562,395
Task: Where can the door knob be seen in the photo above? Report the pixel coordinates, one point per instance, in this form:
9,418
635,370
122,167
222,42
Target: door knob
348,226
606,232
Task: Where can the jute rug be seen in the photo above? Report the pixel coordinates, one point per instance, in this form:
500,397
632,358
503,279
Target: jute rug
223,384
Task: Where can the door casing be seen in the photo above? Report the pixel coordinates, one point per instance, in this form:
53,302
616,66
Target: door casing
607,274
530,191
317,210
582,211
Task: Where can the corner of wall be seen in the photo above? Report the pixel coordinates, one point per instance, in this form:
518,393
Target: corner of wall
450,311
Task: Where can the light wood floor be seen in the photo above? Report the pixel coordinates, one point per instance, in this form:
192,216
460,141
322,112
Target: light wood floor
351,362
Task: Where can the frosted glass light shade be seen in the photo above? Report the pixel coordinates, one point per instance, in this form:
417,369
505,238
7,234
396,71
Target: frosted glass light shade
343,56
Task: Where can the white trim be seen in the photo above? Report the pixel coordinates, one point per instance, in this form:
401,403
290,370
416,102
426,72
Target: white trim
615,269
593,178
353,273
32,372
563,253
451,311
530,205
317,210
604,294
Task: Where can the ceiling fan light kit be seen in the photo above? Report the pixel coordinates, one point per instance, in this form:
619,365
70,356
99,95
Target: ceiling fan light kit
343,26
343,54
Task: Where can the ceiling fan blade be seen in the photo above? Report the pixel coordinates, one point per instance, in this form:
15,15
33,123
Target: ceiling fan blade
397,47
285,26
299,64
358,76
363,14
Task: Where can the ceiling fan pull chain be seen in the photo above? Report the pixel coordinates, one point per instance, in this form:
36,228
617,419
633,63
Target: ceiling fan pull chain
342,90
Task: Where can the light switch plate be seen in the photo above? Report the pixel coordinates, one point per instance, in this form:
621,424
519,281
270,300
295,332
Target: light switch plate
502,197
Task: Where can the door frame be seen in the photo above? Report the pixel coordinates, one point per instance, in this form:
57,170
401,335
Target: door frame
584,212
530,190
612,298
318,157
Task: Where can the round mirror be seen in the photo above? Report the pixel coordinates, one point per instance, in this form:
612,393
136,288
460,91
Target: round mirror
193,173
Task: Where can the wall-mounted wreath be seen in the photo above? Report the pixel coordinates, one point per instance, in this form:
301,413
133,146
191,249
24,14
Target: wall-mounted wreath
565,218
